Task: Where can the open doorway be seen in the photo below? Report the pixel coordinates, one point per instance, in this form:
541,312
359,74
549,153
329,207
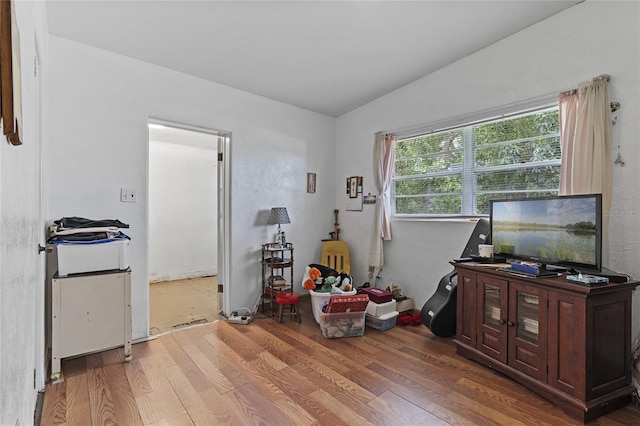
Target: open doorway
183,226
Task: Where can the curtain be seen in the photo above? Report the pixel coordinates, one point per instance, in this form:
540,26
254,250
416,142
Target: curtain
585,136
383,159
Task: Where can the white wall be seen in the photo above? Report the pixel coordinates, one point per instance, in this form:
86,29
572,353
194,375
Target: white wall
21,287
183,206
98,137
586,40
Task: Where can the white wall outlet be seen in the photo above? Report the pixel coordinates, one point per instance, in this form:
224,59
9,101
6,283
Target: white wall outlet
128,195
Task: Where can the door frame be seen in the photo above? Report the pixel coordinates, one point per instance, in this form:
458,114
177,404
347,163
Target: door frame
224,197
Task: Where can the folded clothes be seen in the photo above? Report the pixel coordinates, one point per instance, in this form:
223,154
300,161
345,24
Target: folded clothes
80,229
81,222
94,237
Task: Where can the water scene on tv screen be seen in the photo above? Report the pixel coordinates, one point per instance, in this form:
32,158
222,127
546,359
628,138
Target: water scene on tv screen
555,229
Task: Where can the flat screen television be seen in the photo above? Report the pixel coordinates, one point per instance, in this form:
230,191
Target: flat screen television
563,231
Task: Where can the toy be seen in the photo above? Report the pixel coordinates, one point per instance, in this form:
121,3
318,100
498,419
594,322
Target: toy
319,278
310,283
396,291
329,282
343,282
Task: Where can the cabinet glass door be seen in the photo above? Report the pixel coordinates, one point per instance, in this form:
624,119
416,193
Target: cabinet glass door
527,324
491,304
528,317
492,311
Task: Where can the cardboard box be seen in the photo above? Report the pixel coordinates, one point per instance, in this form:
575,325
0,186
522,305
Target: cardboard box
404,305
377,295
356,303
378,309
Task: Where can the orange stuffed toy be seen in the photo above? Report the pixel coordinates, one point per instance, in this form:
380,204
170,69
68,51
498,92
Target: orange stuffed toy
310,284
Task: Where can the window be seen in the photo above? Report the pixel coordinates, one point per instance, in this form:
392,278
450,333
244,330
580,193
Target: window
455,172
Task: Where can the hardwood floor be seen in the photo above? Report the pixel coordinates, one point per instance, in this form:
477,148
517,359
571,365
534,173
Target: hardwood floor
267,373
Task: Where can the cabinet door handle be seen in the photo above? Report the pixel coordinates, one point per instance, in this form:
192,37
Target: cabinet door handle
502,322
511,324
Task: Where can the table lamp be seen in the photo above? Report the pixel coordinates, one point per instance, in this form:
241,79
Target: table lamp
279,215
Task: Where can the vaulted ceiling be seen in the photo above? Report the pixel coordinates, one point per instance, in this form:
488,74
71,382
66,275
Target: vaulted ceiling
325,56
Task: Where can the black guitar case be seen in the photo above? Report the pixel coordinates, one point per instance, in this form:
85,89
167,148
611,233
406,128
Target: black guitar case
439,313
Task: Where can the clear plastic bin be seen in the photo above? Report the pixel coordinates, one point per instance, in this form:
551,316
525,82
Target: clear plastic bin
320,299
383,322
342,324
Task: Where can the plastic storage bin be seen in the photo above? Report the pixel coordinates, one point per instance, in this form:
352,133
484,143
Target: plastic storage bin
379,309
95,256
383,322
319,299
342,324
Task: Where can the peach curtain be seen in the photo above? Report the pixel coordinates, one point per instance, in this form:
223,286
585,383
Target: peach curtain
585,136
383,160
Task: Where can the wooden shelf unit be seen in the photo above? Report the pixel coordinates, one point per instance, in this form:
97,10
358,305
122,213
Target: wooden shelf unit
275,260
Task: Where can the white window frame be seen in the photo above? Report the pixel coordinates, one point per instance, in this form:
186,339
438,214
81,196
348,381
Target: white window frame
466,121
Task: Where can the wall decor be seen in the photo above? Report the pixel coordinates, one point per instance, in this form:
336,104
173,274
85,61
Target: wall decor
369,199
10,85
353,187
311,182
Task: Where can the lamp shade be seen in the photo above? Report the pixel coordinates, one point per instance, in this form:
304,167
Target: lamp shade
278,215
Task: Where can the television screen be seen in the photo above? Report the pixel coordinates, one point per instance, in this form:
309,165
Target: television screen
563,231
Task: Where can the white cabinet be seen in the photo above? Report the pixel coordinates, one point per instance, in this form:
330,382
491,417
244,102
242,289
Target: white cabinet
89,313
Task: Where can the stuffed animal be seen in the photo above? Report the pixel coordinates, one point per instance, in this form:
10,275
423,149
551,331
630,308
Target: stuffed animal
329,282
343,282
319,278
310,283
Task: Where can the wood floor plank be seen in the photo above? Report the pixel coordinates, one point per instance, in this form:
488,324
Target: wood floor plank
219,411
301,393
333,382
506,402
141,349
424,393
403,411
195,376
215,377
100,398
306,345
125,407
242,345
137,378
249,404
54,408
162,402
180,419
342,410
174,349
496,416
271,373
78,405
189,397
225,359
271,344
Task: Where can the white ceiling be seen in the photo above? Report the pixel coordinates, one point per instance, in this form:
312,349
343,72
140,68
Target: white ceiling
325,56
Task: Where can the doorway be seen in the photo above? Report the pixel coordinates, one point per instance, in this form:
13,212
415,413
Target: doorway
183,226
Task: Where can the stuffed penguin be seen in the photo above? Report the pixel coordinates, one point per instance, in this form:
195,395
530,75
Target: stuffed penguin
343,282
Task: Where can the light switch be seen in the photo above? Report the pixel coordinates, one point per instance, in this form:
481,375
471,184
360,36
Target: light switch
128,195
